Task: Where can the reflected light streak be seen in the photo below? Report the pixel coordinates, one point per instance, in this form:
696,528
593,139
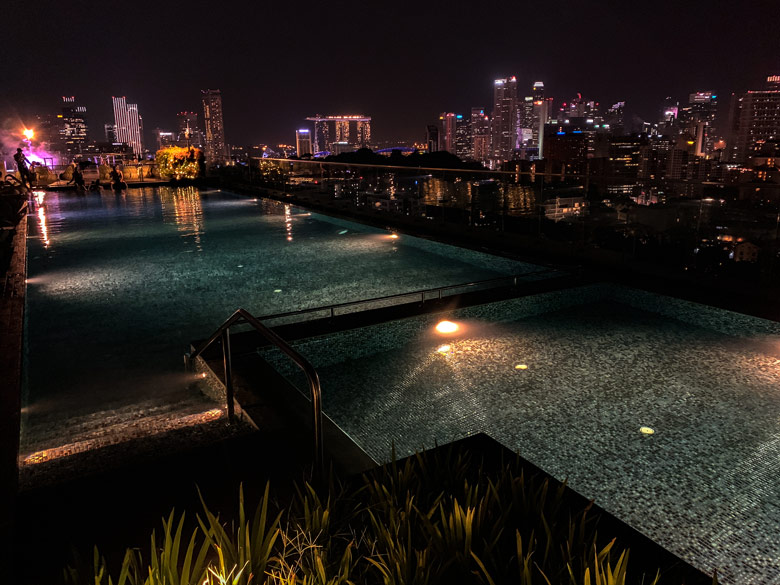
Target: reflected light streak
288,221
43,226
86,445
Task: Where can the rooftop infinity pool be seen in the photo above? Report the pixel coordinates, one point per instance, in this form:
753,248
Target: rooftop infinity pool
119,284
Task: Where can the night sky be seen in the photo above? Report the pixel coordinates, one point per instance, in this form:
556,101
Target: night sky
400,62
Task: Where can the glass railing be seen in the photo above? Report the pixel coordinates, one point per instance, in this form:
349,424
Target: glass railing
705,225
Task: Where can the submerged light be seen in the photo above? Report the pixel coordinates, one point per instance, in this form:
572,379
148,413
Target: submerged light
393,236
443,348
646,430
521,367
446,327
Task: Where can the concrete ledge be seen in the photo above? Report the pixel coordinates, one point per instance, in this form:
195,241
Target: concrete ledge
11,347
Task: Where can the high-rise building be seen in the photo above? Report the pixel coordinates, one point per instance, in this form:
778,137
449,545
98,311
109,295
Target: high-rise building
73,128
697,119
432,137
189,132
754,116
303,142
504,119
110,132
128,124
615,118
462,137
447,120
480,135
215,147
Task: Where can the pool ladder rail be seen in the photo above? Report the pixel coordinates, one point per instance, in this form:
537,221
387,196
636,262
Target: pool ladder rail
240,317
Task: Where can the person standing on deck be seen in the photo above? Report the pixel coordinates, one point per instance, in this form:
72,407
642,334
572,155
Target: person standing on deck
21,164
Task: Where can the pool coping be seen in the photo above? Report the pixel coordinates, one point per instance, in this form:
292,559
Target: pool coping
12,307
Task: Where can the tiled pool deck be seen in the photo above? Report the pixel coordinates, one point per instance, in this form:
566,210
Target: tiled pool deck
601,363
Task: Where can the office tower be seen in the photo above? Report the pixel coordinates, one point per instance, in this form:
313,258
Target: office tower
697,119
504,120
73,127
128,124
462,137
614,118
188,130
447,121
215,147
165,138
432,137
303,142
110,132
480,135
668,118
541,113
754,116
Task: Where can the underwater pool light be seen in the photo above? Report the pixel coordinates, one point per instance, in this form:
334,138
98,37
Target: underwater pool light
521,367
646,430
446,327
443,348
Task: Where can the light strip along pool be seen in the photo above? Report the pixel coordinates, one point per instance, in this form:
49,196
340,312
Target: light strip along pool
568,379
119,284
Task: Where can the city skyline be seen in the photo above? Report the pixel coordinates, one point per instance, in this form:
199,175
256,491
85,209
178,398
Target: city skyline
637,55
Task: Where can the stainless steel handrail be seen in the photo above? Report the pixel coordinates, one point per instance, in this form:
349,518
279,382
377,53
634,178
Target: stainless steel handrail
223,331
424,295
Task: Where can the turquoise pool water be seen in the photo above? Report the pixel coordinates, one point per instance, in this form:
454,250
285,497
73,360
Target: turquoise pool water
568,379
120,284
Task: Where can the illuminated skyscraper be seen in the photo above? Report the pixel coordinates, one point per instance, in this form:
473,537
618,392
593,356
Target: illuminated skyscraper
447,121
697,119
215,147
73,129
303,141
480,135
128,124
754,116
504,122
188,129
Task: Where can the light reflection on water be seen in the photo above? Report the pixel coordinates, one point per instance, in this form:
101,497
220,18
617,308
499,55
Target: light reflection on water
114,300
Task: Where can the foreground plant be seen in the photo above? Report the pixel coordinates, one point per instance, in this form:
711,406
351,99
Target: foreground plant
437,518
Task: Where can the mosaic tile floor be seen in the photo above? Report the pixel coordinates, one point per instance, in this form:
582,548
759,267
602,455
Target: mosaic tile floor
568,380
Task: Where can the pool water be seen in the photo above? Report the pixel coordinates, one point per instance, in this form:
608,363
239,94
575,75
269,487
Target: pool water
120,284
569,379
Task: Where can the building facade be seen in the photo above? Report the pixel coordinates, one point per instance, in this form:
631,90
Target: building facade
353,130
73,128
303,142
754,116
504,119
215,147
128,124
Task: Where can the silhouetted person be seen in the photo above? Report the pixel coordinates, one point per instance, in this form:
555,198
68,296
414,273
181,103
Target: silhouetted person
78,178
117,179
21,165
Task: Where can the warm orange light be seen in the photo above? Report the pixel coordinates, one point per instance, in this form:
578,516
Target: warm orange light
446,327
28,133
521,367
443,349
394,236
